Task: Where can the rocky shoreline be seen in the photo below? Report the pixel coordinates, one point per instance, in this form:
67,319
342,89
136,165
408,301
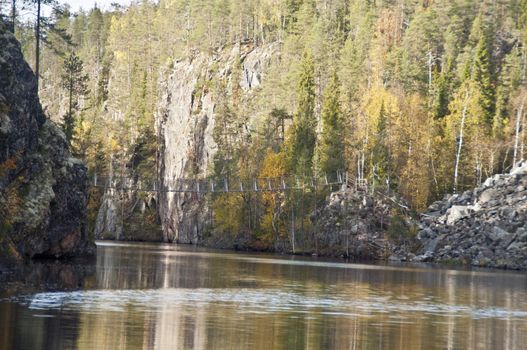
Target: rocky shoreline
363,225
486,227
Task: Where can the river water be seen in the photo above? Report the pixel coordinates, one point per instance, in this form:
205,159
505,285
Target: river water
155,296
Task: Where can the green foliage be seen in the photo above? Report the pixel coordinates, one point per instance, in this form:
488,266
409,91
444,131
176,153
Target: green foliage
398,228
227,132
483,76
303,137
381,154
441,94
332,136
375,87
74,81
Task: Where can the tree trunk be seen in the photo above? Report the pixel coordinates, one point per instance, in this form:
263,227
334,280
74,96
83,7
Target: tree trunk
293,229
519,117
522,141
37,46
70,109
13,16
460,142
430,63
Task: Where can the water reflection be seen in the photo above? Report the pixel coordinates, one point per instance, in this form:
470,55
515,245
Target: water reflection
166,297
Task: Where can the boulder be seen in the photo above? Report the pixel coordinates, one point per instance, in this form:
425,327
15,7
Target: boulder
456,213
521,169
488,195
370,226
498,234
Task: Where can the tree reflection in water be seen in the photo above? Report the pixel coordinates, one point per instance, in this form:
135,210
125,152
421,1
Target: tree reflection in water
171,297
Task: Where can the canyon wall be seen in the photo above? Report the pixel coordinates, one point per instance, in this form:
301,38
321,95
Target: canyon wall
43,189
185,123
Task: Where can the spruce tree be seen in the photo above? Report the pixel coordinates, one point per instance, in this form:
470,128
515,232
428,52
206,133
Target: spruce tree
303,136
380,154
483,77
440,94
332,137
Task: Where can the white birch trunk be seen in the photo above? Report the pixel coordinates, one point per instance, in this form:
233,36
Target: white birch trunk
519,119
460,142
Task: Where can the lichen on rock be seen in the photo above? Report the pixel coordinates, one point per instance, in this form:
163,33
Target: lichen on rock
42,188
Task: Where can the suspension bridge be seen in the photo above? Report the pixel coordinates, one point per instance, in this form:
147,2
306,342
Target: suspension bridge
225,185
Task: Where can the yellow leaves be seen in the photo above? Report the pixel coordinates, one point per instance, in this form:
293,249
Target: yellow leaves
376,99
120,56
465,112
411,147
409,129
227,213
113,145
273,165
115,26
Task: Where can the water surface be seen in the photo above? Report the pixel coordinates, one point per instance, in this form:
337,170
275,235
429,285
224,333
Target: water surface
154,296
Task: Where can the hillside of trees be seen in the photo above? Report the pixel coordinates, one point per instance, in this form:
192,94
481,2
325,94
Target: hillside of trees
419,97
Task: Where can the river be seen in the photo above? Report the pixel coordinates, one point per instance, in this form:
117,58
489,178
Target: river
157,296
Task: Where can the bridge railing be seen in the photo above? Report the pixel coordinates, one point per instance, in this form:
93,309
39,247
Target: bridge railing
215,185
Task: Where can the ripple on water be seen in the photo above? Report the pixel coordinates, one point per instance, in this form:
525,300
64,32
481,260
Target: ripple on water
264,301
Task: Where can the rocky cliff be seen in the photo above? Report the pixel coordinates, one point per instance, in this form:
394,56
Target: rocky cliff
127,216
185,123
42,188
484,227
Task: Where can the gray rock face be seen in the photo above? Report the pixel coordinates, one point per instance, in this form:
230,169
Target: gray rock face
184,123
128,216
42,188
484,227
108,224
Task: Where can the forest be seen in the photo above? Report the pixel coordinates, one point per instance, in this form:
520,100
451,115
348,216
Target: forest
419,97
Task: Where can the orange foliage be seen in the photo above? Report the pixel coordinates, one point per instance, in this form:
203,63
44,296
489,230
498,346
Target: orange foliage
273,166
9,164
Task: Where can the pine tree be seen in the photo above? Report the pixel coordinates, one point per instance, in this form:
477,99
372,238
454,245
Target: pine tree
42,26
74,81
